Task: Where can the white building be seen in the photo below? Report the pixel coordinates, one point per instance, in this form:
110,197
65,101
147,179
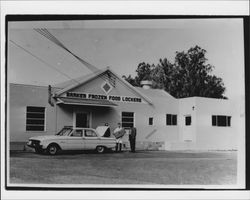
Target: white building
162,121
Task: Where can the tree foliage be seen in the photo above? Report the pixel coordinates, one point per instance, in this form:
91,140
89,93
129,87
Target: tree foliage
188,76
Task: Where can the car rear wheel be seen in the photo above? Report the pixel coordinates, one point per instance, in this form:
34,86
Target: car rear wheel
100,149
52,149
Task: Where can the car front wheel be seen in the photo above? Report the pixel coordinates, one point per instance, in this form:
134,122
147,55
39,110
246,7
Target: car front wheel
52,149
100,149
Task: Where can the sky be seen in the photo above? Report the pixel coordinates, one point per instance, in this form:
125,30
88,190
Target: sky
122,45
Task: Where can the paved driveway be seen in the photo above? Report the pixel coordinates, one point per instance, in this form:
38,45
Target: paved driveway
143,167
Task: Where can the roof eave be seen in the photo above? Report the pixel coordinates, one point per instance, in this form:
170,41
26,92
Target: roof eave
92,76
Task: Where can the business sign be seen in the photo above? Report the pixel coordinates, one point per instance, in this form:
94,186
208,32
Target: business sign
114,98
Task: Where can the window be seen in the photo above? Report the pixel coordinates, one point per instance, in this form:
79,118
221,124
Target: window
76,133
64,132
171,120
127,119
35,118
188,120
221,120
150,121
90,133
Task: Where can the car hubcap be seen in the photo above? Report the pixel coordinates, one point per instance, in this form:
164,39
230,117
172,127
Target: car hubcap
100,149
52,150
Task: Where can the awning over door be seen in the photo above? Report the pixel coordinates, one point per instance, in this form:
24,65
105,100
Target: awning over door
87,102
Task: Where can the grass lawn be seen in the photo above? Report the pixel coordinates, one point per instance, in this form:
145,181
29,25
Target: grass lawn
145,167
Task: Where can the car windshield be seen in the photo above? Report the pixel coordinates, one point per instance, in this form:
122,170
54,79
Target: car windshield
64,132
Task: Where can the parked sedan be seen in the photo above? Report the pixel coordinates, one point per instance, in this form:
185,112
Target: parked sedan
70,138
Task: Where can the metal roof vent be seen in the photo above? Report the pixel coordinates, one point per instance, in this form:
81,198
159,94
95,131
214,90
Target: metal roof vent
146,84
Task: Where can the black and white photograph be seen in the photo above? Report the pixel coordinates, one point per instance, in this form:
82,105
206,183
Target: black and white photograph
125,102
159,102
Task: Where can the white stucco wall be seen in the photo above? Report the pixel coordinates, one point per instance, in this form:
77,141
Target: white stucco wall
215,137
187,108
21,96
200,135
203,135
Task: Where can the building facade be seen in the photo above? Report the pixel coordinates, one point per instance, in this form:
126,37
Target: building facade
162,121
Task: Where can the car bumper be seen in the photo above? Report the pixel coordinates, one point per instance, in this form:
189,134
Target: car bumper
34,145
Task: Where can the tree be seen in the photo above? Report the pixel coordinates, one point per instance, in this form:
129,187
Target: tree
143,73
188,76
130,80
162,75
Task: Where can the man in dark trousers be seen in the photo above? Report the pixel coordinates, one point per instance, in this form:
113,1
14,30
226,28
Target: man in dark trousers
132,137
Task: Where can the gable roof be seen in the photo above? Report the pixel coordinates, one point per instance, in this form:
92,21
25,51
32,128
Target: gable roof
155,93
69,85
159,97
65,84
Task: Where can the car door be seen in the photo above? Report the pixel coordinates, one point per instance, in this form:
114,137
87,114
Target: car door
75,140
91,139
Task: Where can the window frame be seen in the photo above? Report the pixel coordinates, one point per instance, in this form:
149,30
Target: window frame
150,123
173,118
75,130
215,120
86,136
44,119
188,116
127,117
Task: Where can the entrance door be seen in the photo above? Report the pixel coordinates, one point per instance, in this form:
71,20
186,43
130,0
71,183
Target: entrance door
82,120
188,129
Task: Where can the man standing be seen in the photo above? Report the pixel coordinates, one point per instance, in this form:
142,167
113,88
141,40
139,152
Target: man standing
132,139
119,133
